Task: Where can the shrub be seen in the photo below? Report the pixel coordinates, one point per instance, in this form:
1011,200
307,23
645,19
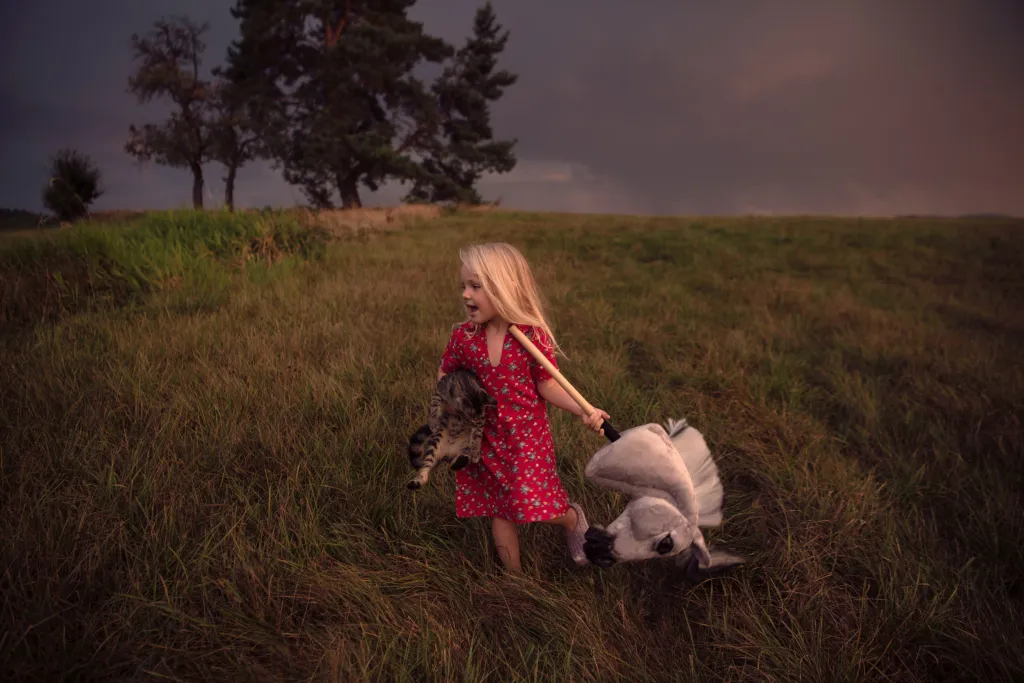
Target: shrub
73,185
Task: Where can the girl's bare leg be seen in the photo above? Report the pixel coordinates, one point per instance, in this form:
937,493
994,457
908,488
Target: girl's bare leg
506,540
567,521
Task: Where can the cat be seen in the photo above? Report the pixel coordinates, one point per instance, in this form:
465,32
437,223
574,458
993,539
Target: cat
455,428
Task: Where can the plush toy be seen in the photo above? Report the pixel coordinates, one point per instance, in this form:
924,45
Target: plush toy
674,489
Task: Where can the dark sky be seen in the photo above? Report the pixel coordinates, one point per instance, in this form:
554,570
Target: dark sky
661,106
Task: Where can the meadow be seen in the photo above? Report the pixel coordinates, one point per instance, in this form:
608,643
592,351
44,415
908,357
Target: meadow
203,420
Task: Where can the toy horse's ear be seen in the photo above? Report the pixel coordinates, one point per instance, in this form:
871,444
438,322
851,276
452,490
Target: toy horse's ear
698,568
700,549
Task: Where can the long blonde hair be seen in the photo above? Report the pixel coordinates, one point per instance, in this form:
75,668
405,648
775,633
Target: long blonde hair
509,284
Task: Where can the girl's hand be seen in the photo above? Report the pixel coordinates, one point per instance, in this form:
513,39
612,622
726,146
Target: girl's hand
595,420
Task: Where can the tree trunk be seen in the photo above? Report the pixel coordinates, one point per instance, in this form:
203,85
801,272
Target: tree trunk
348,187
197,186
229,186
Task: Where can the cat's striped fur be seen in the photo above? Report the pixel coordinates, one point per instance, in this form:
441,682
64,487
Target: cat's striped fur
455,428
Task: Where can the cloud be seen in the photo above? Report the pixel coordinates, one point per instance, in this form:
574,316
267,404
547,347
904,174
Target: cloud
560,186
763,78
795,106
529,171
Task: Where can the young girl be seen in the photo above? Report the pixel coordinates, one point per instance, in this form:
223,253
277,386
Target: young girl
515,481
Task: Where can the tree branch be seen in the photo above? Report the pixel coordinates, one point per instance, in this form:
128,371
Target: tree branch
332,38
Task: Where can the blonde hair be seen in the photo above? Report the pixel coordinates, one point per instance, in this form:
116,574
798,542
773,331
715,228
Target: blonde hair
509,284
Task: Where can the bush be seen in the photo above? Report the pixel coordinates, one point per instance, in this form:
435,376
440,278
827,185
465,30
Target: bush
73,185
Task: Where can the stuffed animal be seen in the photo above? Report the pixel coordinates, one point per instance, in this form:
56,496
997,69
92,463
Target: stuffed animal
674,489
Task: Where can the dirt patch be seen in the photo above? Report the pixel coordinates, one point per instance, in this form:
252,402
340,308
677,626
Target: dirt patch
485,207
347,221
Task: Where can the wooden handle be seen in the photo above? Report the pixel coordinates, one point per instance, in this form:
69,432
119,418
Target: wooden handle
535,352
609,431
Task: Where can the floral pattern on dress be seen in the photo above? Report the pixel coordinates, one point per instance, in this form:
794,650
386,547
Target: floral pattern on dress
515,478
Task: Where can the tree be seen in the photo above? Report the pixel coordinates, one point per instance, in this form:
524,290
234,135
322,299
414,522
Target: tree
352,112
248,112
465,149
74,184
170,59
235,133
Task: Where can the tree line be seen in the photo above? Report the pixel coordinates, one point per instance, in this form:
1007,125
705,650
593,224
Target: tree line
326,90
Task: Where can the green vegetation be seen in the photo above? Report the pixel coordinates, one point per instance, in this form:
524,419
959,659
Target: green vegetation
95,264
217,492
74,184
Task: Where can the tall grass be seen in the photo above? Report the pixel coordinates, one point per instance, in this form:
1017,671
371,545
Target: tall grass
217,493
98,265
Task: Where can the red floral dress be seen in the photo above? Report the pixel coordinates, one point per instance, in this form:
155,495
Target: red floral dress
515,478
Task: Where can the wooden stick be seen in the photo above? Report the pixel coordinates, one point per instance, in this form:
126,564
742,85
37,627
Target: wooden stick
588,409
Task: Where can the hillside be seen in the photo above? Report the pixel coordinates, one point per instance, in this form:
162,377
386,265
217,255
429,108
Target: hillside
18,219
203,479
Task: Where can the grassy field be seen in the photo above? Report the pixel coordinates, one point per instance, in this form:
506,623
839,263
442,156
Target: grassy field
203,478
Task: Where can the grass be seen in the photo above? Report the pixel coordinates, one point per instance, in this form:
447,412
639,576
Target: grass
96,264
216,492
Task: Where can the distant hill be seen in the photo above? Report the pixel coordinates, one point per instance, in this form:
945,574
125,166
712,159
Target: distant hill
990,216
963,216
19,219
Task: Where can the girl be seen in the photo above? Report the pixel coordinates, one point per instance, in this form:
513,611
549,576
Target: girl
515,481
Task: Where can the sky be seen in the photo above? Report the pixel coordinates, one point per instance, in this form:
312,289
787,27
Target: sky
847,107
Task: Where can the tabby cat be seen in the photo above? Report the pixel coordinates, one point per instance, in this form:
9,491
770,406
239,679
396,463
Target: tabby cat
455,428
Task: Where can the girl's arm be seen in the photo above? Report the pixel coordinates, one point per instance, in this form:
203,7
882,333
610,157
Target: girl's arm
552,392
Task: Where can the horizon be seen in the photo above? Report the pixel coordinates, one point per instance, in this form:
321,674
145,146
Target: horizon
100,214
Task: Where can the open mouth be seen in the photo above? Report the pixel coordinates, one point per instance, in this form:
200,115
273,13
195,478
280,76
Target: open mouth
471,308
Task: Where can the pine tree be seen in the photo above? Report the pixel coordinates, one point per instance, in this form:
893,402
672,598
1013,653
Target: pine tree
465,149
339,75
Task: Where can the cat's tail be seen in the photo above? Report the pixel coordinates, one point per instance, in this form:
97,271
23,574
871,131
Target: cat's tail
416,442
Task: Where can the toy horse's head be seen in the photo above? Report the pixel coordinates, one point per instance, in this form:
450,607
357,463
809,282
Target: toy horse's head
674,489
646,529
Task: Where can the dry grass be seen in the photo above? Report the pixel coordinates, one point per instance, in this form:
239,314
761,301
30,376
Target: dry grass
361,221
217,492
113,216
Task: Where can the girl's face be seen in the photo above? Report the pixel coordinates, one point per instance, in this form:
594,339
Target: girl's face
478,306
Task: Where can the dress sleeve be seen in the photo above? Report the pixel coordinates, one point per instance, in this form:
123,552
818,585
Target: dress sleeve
451,359
544,345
